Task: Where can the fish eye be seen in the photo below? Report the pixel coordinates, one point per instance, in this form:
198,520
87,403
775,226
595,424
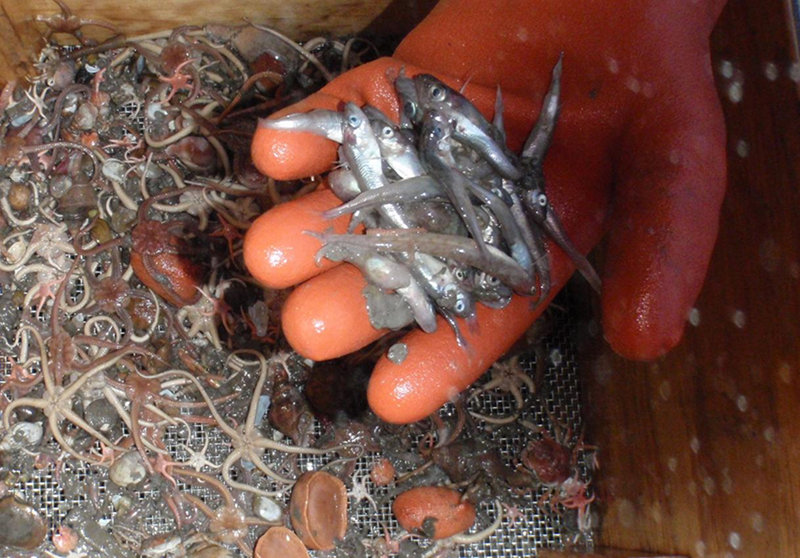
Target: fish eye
459,273
387,132
354,120
541,199
437,93
492,280
460,306
410,109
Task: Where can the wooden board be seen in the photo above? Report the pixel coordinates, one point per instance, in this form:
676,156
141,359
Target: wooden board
299,19
700,451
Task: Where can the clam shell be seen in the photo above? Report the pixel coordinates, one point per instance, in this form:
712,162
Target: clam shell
279,541
22,435
21,526
318,509
127,470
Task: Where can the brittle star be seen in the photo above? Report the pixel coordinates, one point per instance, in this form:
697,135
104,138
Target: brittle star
509,377
56,402
248,443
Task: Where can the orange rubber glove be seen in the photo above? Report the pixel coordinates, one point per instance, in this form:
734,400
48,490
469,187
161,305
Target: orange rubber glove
638,153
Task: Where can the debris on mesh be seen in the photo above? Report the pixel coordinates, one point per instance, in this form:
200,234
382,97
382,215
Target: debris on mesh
150,404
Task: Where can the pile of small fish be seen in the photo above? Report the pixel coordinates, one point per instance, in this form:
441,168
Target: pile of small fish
451,216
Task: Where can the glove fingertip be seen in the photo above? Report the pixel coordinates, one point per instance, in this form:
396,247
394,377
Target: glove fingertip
326,317
668,194
286,155
435,369
636,329
278,253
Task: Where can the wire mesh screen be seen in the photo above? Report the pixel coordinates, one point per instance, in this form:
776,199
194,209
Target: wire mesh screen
532,522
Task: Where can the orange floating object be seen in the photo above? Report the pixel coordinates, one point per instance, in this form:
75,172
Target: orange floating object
434,510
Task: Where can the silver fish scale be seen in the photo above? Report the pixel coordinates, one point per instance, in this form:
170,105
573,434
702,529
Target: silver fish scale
537,526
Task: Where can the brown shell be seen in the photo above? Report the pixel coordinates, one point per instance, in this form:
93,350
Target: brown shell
171,276
279,542
318,509
435,511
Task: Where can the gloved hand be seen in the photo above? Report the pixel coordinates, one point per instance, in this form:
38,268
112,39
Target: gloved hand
638,154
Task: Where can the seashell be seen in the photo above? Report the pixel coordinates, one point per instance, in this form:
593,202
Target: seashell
318,509
267,508
86,116
114,170
22,435
127,470
60,185
21,526
121,503
279,541
288,411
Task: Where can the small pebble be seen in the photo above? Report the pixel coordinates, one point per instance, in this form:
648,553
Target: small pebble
267,509
101,414
739,319
19,196
794,72
127,470
397,353
694,317
735,92
21,526
735,540
726,69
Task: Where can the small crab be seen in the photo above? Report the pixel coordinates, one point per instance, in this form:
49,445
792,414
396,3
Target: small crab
554,461
553,457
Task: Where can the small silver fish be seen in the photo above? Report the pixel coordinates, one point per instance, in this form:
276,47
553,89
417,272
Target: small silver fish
320,122
384,272
398,150
459,249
